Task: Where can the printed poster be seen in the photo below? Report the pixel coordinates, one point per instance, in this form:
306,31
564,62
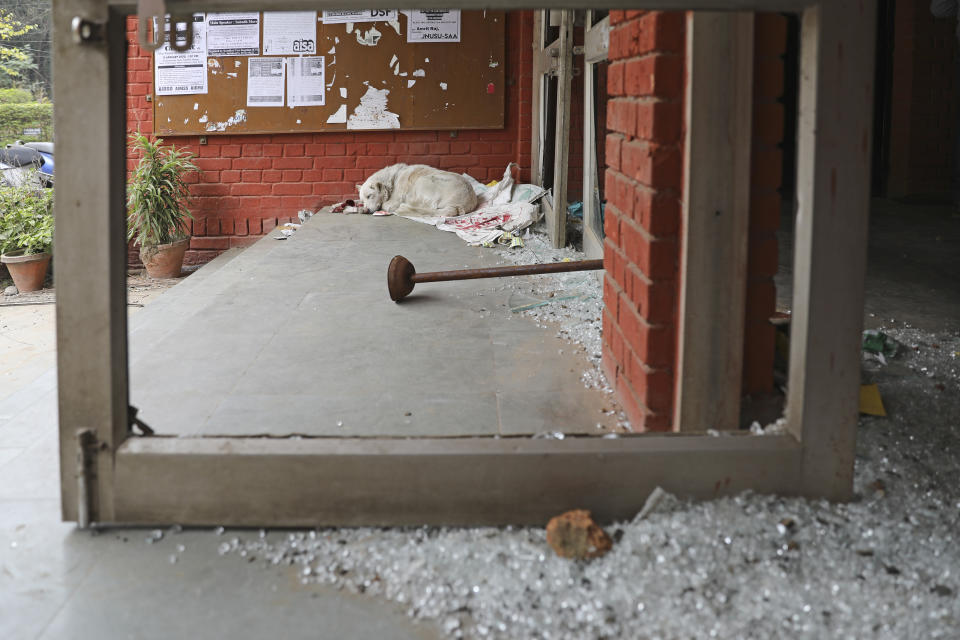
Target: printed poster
286,32
365,15
305,81
265,82
233,34
182,72
433,25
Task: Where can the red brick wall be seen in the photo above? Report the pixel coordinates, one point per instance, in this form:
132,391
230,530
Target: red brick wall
644,179
770,43
924,100
645,82
251,183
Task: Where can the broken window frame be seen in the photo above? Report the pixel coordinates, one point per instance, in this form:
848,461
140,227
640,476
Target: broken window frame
596,43
109,475
552,60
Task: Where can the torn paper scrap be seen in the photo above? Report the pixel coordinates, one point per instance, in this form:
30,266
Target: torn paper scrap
372,112
339,117
370,37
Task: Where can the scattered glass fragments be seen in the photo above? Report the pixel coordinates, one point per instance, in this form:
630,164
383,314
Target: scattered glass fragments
885,565
578,318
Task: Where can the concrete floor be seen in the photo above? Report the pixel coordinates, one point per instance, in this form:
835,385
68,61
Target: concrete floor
57,582
299,336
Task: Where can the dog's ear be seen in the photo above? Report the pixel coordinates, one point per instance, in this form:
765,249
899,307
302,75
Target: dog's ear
384,189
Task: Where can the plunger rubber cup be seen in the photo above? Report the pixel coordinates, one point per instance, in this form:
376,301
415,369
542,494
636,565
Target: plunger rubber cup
400,278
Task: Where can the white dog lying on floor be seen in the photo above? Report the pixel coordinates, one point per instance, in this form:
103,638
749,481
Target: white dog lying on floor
417,190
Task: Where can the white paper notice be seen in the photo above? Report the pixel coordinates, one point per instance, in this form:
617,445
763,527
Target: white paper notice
365,15
305,81
233,34
433,25
182,72
287,32
265,81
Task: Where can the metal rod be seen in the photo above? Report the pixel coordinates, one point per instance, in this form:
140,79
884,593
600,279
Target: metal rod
401,275
499,272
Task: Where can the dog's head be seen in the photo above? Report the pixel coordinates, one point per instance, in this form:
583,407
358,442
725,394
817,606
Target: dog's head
373,193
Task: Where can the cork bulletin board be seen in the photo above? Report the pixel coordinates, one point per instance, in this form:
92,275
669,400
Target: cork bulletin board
372,76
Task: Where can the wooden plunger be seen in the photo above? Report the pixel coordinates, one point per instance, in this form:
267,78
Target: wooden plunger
401,276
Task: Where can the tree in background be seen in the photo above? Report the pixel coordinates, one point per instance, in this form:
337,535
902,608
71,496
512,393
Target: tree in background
25,48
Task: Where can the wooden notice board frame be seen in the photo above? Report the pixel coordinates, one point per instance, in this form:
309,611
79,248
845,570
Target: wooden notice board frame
432,85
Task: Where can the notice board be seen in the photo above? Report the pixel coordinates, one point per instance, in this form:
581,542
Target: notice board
340,70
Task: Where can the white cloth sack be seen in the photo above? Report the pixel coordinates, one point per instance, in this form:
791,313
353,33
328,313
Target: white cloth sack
504,207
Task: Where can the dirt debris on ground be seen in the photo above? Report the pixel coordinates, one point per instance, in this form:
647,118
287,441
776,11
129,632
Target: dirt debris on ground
140,289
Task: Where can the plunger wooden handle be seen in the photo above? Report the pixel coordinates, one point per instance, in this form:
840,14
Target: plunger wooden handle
401,276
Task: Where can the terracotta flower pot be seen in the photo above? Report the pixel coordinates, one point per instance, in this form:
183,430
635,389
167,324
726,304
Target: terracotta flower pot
164,260
29,271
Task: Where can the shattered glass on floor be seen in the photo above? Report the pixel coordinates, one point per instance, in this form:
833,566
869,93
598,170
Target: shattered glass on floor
885,565
570,303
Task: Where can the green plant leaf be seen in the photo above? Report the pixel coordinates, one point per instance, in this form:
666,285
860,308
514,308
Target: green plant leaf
157,195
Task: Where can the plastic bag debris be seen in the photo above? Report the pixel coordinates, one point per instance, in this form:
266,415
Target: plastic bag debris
878,346
507,239
575,210
287,230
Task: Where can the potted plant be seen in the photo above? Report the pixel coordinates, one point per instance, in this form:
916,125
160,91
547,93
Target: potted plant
26,234
157,205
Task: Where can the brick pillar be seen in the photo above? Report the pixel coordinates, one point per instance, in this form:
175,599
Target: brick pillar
770,42
642,217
